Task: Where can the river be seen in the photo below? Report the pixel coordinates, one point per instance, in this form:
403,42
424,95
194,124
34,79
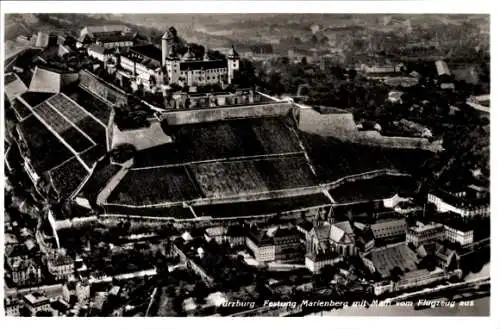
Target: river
481,306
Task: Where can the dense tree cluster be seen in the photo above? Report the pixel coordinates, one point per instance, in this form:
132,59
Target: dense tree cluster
133,115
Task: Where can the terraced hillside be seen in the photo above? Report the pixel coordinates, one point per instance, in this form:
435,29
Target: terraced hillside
222,140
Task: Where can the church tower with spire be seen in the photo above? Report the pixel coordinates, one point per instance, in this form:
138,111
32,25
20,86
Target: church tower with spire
233,63
173,67
164,49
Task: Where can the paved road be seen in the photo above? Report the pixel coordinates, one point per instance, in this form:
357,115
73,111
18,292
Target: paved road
50,290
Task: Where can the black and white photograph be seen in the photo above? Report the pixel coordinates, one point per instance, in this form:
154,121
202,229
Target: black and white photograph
161,164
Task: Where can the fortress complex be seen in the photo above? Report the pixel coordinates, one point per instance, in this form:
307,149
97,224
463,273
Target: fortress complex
152,67
231,155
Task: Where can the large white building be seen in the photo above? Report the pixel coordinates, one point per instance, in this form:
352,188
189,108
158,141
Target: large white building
389,229
456,232
275,244
154,67
421,233
107,36
468,203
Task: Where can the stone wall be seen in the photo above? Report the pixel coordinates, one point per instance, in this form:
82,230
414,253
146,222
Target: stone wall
342,127
225,113
101,88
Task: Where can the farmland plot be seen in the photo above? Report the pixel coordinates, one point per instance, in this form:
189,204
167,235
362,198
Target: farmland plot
222,179
153,186
286,172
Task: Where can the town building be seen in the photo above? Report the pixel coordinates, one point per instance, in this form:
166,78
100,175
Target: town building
413,279
76,291
24,271
315,262
468,203
393,201
424,233
383,260
394,96
389,230
12,306
379,68
109,35
276,244
288,247
184,100
144,63
447,258
365,241
447,86
442,68
60,307
60,266
262,247
220,234
97,303
458,231
115,41
36,302
99,52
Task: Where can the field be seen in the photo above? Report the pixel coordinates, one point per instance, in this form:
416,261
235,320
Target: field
285,172
92,104
67,108
46,151
223,179
93,129
62,126
152,186
20,108
52,118
275,137
100,177
92,155
34,98
217,140
76,140
67,177
79,117
264,207
373,189
9,78
212,180
333,159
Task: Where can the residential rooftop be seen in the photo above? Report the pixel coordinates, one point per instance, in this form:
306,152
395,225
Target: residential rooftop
386,258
